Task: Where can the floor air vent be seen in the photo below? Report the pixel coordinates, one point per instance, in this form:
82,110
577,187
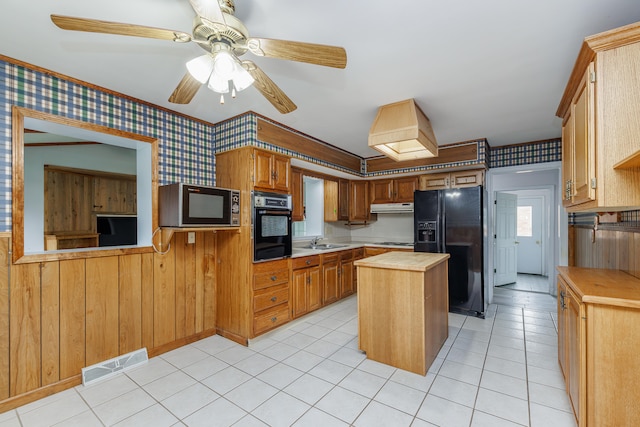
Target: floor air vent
110,367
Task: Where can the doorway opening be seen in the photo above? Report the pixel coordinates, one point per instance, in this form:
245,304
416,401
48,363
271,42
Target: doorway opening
528,230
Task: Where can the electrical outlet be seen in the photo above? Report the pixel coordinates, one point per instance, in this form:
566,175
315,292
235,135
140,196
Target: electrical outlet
191,237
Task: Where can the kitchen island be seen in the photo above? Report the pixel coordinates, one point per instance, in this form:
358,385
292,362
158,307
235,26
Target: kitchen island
403,305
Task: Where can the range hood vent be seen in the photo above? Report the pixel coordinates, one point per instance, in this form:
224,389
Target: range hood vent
377,208
401,131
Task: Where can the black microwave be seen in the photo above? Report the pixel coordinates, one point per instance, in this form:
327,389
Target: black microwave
185,205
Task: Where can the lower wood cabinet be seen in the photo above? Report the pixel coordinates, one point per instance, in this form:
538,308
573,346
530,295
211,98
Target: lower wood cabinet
598,336
330,278
347,281
270,295
306,289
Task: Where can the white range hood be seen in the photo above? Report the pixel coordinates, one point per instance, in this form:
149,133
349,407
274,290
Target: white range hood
382,208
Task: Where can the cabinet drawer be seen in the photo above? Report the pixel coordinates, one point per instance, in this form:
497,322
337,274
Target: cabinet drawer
358,253
267,279
270,297
271,318
303,262
331,257
346,255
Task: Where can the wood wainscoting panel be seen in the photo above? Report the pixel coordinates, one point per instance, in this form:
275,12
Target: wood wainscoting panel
72,317
24,331
207,272
4,317
164,297
147,285
101,302
185,286
50,322
609,249
130,303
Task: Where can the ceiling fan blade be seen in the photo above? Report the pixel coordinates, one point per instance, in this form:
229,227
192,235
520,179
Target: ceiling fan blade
208,9
186,90
269,89
319,54
106,27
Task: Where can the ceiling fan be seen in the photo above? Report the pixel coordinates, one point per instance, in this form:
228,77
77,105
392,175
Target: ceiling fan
225,38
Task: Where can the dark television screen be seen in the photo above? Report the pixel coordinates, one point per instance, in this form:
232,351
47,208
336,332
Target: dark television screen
117,230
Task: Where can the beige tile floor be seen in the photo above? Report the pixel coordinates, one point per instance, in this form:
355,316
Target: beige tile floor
498,371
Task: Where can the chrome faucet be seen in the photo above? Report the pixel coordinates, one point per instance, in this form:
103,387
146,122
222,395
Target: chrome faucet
315,240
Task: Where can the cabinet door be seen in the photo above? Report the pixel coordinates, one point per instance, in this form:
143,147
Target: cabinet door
381,191
67,202
359,201
314,288
343,200
331,283
262,169
567,161
299,292
113,195
575,350
346,278
462,179
330,200
583,110
297,196
562,326
404,188
434,181
281,171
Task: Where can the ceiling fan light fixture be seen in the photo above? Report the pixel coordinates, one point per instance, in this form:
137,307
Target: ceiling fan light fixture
218,83
242,79
224,65
201,67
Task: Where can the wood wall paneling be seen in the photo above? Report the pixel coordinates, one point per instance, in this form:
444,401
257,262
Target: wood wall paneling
147,272
130,305
4,318
50,278
24,322
164,297
612,249
102,334
72,317
209,279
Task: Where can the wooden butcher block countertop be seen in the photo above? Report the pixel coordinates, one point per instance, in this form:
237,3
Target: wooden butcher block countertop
410,261
599,286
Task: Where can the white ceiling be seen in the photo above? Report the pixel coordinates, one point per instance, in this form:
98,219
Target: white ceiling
492,69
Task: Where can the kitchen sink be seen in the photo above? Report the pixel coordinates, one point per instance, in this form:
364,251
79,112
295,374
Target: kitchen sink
324,246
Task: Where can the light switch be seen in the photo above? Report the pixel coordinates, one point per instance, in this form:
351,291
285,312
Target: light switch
191,237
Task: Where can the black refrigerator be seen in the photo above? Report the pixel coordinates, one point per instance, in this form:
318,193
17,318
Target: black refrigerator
451,221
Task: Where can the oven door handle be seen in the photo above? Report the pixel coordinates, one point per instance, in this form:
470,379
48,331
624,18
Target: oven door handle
282,213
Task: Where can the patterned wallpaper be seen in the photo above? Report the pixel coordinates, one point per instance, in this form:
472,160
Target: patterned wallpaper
186,151
526,154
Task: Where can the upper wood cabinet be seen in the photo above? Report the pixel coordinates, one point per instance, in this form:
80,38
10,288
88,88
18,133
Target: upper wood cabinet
359,201
458,179
330,200
343,200
393,190
114,195
271,171
297,195
600,109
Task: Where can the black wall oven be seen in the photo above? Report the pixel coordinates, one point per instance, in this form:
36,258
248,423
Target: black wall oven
271,226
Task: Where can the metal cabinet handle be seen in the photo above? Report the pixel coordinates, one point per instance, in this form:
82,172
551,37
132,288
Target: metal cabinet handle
274,299
273,278
562,303
308,262
274,319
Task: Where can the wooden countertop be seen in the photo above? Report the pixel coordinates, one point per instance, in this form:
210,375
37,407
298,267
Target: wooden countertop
600,286
411,261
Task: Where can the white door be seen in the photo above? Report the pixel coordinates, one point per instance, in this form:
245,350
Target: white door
529,235
506,254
